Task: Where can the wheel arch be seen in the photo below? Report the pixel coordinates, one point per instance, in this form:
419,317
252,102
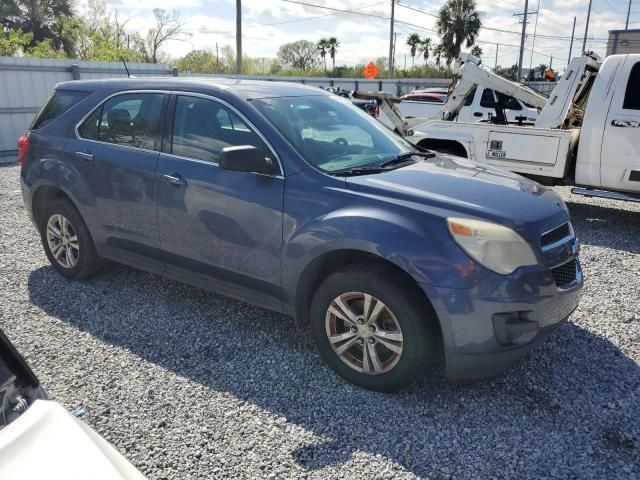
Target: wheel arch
45,194
329,262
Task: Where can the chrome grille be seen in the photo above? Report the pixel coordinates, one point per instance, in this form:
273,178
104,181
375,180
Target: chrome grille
566,273
556,235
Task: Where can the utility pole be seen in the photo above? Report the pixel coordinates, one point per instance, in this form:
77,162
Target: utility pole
551,63
535,30
217,60
495,67
391,37
573,32
586,29
626,25
524,33
239,36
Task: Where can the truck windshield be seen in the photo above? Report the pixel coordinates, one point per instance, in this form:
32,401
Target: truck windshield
330,133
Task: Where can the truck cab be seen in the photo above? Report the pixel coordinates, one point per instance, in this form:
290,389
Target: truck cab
608,152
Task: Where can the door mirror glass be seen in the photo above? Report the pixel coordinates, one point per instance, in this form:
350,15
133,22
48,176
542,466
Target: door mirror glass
246,158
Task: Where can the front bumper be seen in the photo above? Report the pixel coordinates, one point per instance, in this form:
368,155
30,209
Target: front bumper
488,328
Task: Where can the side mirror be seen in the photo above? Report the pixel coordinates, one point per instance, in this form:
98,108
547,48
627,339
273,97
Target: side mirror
247,158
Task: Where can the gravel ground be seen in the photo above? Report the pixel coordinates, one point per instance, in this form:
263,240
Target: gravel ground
192,385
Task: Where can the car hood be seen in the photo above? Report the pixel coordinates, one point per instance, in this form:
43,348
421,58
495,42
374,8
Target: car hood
457,186
48,442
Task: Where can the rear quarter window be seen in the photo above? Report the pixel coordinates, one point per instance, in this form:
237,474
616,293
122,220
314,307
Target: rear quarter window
59,102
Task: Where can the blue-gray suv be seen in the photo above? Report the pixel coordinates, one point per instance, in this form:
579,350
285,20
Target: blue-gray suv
290,198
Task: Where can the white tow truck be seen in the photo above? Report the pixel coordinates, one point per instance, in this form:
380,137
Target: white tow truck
587,133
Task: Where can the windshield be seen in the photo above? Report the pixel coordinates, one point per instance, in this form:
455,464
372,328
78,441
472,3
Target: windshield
330,133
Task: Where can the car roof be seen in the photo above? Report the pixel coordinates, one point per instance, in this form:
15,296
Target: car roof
247,89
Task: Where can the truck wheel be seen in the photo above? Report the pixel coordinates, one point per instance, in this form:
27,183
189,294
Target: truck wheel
67,241
372,328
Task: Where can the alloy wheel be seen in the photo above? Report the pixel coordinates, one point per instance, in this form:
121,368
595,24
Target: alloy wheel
62,241
364,333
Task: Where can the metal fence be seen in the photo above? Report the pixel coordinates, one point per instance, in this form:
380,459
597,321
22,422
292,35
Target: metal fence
25,84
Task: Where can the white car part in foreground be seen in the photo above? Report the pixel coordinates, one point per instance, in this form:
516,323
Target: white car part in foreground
47,442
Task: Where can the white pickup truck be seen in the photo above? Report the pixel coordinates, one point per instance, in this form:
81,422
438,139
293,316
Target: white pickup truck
587,134
478,106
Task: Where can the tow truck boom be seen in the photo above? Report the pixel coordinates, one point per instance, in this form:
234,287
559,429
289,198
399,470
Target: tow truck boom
471,73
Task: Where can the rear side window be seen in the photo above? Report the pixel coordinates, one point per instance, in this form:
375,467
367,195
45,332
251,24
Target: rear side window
132,120
487,100
632,96
60,102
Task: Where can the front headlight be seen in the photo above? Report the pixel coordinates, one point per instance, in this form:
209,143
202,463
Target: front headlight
495,246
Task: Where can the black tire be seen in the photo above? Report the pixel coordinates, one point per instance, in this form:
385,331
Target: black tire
415,317
88,262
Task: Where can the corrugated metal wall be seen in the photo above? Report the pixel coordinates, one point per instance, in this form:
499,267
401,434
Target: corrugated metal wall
25,84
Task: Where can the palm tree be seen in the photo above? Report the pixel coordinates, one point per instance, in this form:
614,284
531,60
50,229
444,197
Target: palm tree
458,22
333,45
425,47
476,51
323,46
438,51
413,41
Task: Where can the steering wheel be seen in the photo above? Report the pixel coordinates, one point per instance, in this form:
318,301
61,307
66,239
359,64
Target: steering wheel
342,142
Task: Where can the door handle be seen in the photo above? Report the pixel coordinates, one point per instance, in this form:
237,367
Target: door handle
625,123
477,114
175,179
87,157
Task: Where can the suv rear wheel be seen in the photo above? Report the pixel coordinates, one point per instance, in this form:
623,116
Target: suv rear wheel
67,242
371,327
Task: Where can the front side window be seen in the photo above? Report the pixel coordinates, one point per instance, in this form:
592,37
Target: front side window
632,95
203,127
330,133
509,102
132,119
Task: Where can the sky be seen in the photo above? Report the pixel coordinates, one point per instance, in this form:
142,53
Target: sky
269,23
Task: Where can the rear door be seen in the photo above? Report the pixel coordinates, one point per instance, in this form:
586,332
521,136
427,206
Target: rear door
219,229
116,152
620,158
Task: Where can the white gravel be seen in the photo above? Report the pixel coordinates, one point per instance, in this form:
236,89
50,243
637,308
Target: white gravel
191,385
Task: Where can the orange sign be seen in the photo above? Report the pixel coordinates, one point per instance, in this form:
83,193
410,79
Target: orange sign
370,71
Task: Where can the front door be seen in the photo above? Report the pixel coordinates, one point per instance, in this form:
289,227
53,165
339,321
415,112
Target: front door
116,154
219,229
620,158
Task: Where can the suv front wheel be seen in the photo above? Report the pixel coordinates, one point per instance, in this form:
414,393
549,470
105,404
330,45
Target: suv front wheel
372,327
67,242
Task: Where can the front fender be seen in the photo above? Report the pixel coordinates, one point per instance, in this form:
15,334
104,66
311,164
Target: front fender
419,245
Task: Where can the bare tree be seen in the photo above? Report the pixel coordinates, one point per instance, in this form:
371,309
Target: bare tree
168,27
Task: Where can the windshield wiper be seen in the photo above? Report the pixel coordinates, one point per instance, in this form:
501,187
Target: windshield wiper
391,164
361,171
404,157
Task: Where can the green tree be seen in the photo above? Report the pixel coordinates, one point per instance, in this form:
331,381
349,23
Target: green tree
201,61
41,18
333,44
323,48
458,22
413,41
300,54
476,51
510,72
13,42
425,48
